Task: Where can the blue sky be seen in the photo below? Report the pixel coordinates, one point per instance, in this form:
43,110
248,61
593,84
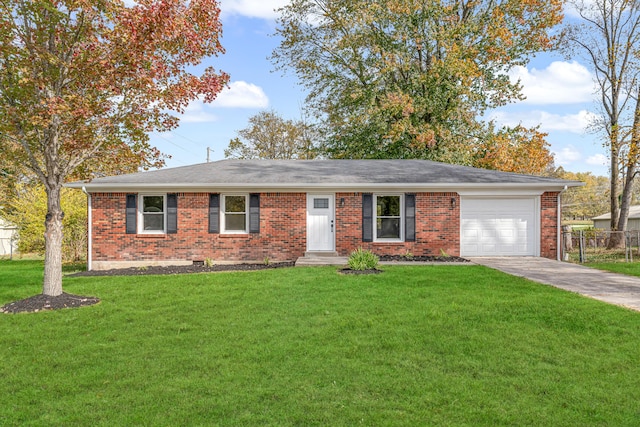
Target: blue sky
560,96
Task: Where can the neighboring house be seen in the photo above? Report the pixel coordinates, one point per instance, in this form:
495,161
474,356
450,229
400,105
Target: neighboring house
604,221
249,210
8,238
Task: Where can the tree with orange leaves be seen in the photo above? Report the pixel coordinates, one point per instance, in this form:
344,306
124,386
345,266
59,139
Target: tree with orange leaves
82,82
518,150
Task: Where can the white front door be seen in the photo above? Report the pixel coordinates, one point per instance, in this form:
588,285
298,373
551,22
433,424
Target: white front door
320,222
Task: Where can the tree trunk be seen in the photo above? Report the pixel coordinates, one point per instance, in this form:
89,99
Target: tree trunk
615,239
630,172
625,203
615,171
52,285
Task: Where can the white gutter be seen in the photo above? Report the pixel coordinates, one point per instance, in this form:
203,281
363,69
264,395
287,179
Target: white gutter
306,187
560,237
89,227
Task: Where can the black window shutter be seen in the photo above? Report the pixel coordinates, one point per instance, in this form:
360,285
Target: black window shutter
172,213
367,217
132,213
254,213
214,213
410,217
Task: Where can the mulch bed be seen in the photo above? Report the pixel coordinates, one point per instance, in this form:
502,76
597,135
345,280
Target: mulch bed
44,302
422,258
181,269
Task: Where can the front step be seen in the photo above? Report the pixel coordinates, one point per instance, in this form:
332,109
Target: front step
320,254
321,258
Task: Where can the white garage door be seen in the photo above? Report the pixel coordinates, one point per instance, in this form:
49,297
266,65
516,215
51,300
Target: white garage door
498,227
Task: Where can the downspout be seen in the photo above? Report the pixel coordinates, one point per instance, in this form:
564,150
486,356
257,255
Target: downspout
89,227
560,237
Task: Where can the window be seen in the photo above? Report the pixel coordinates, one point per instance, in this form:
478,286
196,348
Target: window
388,217
152,211
234,214
320,203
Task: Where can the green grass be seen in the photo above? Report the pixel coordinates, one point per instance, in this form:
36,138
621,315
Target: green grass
629,268
579,224
423,345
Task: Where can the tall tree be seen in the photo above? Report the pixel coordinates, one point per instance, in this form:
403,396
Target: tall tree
608,36
408,78
82,81
269,136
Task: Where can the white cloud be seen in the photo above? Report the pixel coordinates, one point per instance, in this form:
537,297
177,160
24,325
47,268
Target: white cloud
196,113
560,83
241,95
571,10
265,9
597,160
567,155
575,123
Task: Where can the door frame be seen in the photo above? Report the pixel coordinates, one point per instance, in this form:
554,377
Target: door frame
332,220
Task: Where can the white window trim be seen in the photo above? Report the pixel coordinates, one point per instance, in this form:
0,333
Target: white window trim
223,214
141,229
375,218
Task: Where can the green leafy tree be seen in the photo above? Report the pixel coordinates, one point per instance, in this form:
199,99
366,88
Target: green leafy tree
27,210
269,136
82,81
407,78
587,201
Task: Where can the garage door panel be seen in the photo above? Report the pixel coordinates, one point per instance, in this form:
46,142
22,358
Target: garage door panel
470,234
488,234
498,227
506,234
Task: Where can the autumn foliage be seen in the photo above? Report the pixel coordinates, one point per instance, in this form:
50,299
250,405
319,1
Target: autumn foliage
406,78
83,82
518,150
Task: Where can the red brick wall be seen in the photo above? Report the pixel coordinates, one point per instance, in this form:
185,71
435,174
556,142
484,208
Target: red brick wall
549,225
282,232
437,226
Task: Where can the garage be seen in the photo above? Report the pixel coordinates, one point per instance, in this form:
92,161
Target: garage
499,226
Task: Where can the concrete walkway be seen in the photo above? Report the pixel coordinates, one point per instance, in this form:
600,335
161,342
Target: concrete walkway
613,288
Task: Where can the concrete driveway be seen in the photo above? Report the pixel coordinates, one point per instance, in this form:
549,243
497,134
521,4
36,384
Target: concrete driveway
604,286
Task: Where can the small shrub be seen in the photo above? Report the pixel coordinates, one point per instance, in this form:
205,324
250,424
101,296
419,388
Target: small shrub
361,259
408,255
266,261
208,262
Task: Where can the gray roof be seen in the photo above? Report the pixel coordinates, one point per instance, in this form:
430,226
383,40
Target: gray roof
634,213
329,174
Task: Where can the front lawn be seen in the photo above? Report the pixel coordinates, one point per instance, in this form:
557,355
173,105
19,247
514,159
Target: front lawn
423,345
629,268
